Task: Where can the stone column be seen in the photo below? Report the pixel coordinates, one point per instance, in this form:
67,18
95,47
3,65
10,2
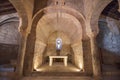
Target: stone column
29,54
95,59
22,47
87,56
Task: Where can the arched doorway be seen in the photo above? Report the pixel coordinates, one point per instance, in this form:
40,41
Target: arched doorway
45,24
10,38
108,38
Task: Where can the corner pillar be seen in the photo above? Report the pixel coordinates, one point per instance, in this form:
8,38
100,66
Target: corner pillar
95,59
87,56
20,61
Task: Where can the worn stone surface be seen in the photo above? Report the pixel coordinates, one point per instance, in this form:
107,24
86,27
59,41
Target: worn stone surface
108,42
78,54
109,57
9,33
9,38
109,35
78,19
53,18
6,50
87,56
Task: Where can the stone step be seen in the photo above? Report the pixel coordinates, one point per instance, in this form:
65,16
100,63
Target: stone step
110,68
34,74
57,78
111,78
113,73
7,75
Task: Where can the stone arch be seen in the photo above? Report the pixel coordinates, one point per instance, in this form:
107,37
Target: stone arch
23,24
94,28
8,20
9,39
9,25
67,10
63,25
96,14
22,14
42,51
28,62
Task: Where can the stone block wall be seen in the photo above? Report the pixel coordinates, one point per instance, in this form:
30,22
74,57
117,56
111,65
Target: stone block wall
51,44
51,50
87,56
109,57
69,3
109,35
8,52
9,33
109,40
9,38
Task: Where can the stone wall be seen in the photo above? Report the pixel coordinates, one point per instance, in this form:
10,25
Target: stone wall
8,53
109,40
109,36
75,4
109,57
9,38
43,50
51,44
87,56
9,29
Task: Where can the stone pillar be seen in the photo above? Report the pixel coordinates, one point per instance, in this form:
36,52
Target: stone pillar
78,54
87,56
95,59
29,54
20,62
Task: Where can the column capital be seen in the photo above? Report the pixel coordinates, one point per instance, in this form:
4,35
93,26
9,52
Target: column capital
95,57
23,32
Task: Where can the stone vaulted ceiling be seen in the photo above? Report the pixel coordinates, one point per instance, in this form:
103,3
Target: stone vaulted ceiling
6,7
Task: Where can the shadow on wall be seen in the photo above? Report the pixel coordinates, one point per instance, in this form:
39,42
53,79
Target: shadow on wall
109,36
9,42
8,52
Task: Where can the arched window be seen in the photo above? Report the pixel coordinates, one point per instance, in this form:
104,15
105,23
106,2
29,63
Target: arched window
58,43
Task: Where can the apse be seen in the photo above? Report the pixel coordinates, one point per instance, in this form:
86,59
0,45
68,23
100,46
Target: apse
66,29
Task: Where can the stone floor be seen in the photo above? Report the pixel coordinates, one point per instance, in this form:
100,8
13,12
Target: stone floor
70,72
58,67
71,78
12,76
57,78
